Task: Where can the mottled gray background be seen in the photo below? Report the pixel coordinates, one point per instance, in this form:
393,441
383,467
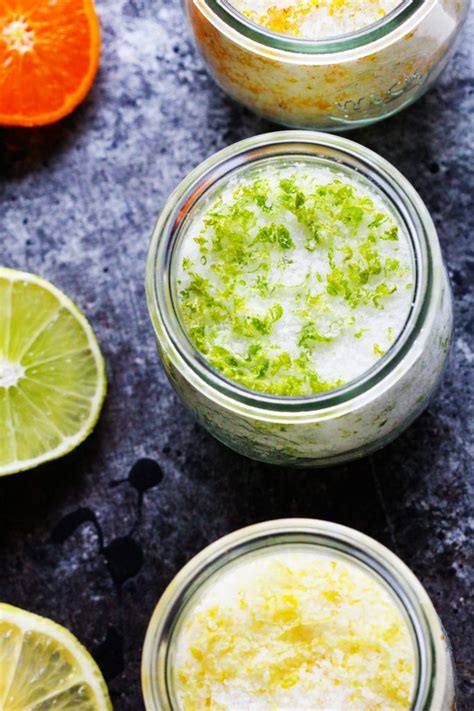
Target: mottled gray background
84,542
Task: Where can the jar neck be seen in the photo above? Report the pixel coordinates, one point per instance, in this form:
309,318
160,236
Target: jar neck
232,18
431,669
289,144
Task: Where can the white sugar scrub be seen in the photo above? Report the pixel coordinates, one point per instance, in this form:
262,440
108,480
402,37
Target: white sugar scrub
299,298
294,278
315,19
331,65
296,615
294,629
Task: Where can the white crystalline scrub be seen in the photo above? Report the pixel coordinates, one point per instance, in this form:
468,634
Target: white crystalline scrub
294,631
315,19
294,280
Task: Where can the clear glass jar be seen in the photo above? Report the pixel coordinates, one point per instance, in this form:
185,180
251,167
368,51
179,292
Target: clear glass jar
434,682
334,426
336,84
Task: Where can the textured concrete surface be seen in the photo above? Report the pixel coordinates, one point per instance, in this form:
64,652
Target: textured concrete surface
92,540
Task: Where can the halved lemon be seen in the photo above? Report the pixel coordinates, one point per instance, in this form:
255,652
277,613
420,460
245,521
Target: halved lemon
52,374
43,666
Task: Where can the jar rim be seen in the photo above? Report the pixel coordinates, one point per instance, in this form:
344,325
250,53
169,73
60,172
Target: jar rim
233,19
364,551
386,178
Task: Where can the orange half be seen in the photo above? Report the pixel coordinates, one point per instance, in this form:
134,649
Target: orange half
49,55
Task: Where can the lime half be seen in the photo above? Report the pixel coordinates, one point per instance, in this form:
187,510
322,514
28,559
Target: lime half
43,666
52,374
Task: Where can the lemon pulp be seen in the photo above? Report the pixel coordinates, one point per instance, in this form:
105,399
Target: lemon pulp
43,666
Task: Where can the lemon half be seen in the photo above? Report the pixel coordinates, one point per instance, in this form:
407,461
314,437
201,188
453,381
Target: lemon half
43,666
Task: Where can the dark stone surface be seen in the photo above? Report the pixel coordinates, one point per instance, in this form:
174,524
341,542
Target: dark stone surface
92,539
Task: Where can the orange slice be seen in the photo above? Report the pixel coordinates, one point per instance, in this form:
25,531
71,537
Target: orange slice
49,54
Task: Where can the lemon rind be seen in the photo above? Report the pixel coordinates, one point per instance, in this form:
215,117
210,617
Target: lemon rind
89,671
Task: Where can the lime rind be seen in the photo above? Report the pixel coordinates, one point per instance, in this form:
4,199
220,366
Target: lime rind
79,669
64,442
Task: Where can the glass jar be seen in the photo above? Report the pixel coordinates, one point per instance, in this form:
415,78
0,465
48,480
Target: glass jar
335,84
334,426
434,674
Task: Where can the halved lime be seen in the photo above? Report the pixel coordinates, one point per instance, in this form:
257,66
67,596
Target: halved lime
52,374
43,666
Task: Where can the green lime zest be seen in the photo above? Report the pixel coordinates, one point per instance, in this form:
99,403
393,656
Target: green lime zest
253,273
278,235
309,335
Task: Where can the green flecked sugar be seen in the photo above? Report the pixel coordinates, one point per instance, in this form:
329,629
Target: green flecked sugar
294,280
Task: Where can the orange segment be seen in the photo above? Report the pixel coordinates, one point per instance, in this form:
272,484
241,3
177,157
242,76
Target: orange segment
49,54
